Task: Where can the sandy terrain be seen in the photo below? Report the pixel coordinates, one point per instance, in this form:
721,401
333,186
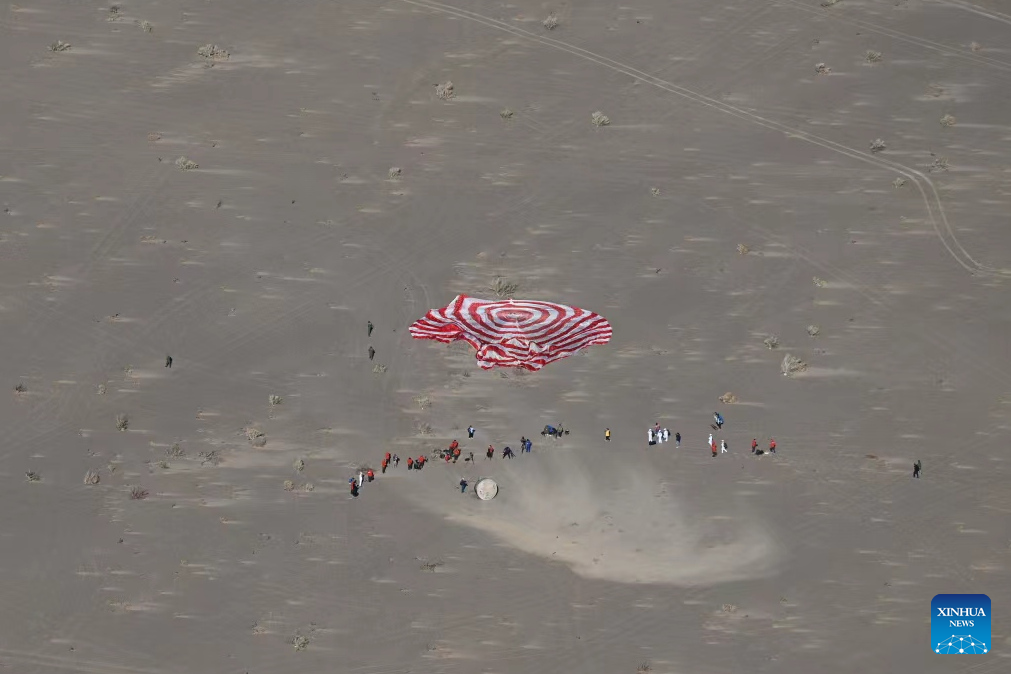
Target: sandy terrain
236,209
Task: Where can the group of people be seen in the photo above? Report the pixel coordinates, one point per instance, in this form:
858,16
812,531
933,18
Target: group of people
657,436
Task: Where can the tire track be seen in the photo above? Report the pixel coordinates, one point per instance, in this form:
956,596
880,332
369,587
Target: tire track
931,199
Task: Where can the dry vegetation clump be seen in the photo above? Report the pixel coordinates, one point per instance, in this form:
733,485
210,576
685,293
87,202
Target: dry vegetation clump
939,164
175,451
551,22
729,608
975,46
771,342
423,428
122,422
655,191
728,398
59,46
186,164
300,642
503,288
871,56
599,119
819,282
791,365
256,437
32,476
378,369
138,494
212,457
506,113
948,120
878,145
91,478
299,465
822,69
645,667
20,388
828,3
742,249
423,402
813,330
213,51
289,485
146,26
100,390
431,566
899,182
394,173
274,400
307,486
445,91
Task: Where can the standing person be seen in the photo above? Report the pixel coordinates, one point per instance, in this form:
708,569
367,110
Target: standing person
370,475
490,452
718,418
677,440
419,463
470,431
456,455
354,488
754,445
916,469
410,463
650,436
396,460
659,436
463,485
710,438
529,445
370,328
168,362
723,446
453,445
712,446
471,457
383,466
372,353
387,457
361,478
607,434
666,435
772,445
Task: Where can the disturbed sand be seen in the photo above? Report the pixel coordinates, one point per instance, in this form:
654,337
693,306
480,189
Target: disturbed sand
249,208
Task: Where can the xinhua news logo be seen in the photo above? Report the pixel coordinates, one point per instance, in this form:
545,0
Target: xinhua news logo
960,624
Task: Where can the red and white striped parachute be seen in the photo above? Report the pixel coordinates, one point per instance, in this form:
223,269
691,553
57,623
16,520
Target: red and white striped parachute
514,333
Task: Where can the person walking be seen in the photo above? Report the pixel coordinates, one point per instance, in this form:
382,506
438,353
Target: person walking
470,431
370,475
463,486
168,362
666,435
772,446
382,466
650,436
607,434
456,455
659,436
410,463
712,446
916,469
354,488
370,328
490,452
718,418
754,445
529,445
361,478
677,440
372,353
723,446
396,460
710,438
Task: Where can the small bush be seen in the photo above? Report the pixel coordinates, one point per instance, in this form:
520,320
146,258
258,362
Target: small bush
599,119
299,465
122,422
655,191
948,120
899,182
506,113
300,642
742,249
146,26
91,478
813,330
175,451
503,288
645,667
791,365
878,145
771,342
138,494
274,400
423,402
213,51
59,46
872,56
32,476
256,437
378,369
184,164
445,91
939,164
975,46
394,173
551,22
212,457
728,398
20,388
822,69
289,485
819,282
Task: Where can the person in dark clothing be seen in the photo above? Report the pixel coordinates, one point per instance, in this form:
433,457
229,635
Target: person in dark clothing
370,328
916,468
372,353
677,440
470,431
168,362
463,486
491,452
507,453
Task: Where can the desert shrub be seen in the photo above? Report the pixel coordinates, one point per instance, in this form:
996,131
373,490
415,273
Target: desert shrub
599,119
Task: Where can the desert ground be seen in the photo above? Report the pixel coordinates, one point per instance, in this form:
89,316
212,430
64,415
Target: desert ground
243,186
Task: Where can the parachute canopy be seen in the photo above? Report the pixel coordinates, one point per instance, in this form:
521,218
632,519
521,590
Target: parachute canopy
514,333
